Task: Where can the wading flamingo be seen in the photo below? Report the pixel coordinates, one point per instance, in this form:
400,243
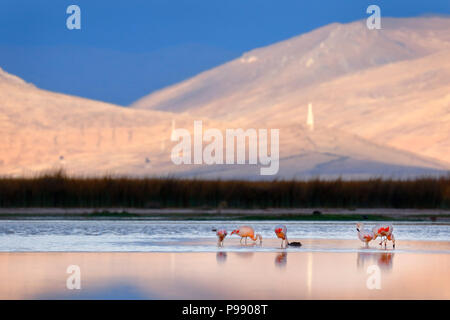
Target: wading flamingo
247,232
364,235
384,231
221,234
281,232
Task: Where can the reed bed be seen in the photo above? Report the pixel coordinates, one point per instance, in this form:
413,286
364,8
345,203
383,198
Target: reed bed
59,190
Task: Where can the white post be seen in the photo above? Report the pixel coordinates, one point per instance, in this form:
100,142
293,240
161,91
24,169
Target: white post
310,119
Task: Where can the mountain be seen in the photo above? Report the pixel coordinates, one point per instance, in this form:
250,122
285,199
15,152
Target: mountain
42,130
380,100
388,86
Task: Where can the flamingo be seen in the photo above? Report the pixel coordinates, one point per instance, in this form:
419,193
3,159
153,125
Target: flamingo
384,231
281,232
363,235
221,234
247,232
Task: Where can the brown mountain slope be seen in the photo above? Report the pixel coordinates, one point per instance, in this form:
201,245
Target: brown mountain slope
389,86
358,132
40,130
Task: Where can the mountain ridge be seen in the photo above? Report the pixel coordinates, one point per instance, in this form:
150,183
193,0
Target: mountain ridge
406,74
357,133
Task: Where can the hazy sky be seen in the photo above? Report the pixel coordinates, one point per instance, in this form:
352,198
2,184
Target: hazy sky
127,49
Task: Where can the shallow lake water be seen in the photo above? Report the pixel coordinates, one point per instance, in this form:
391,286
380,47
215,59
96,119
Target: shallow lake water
183,236
144,259
226,275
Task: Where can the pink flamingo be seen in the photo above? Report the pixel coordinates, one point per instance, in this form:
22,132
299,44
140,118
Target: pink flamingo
363,235
247,232
384,231
281,232
221,234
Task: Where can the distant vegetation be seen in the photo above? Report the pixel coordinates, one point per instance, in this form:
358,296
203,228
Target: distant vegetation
59,190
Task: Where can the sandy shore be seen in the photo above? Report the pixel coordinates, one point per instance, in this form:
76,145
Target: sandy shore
281,274
271,213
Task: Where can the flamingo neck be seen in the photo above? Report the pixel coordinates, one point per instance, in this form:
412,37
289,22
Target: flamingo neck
258,236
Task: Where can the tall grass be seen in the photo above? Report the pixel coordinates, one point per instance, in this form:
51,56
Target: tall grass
59,190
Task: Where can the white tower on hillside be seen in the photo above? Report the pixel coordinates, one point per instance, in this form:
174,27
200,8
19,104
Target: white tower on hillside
310,119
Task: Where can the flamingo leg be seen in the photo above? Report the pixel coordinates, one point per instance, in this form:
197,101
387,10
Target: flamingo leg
245,240
241,240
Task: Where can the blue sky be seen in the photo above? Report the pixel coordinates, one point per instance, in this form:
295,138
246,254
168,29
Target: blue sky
127,49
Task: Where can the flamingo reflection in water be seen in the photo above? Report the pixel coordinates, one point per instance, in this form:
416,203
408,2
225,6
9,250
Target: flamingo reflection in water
383,259
281,259
221,257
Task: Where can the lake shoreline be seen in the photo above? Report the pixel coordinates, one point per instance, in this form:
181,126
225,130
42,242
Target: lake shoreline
298,214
